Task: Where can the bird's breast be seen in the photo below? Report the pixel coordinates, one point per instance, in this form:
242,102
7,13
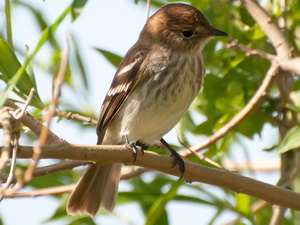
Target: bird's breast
157,104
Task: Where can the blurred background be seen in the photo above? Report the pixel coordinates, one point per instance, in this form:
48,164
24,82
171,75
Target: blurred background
101,33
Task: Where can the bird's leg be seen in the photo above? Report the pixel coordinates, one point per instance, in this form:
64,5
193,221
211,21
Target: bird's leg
176,157
135,147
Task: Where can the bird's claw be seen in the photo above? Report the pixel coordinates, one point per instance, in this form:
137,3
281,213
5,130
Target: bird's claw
135,148
176,158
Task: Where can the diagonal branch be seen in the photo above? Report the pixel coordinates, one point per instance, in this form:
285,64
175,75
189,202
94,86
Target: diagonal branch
260,93
194,172
273,32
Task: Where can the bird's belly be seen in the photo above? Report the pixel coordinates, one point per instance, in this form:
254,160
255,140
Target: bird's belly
151,116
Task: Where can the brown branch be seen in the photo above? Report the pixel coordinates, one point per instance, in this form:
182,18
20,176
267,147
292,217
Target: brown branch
65,165
5,120
125,175
287,64
194,172
250,51
44,191
273,32
290,65
16,115
284,84
260,93
36,126
54,168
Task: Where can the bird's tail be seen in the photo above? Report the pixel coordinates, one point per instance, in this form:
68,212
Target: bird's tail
97,187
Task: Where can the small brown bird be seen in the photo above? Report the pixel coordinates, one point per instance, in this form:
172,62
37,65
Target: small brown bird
153,87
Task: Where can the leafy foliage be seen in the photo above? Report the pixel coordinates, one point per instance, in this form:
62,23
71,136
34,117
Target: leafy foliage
232,79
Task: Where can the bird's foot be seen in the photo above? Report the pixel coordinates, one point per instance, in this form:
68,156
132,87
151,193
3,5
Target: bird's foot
135,147
176,158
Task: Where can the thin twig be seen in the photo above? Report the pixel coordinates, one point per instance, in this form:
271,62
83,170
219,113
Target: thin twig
5,119
201,156
75,116
125,175
44,191
54,103
54,168
11,134
11,174
250,51
148,8
36,126
18,114
260,93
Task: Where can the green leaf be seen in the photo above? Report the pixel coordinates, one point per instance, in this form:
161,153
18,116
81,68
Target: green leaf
211,84
77,8
13,69
48,32
291,140
14,74
41,21
246,17
252,125
243,204
30,70
80,63
205,128
8,23
159,205
293,107
187,122
111,57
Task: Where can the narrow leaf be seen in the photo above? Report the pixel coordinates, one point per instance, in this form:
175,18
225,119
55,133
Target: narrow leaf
8,23
77,8
15,75
291,140
111,57
48,32
158,206
80,64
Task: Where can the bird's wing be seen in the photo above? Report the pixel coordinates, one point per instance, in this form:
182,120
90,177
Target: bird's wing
126,78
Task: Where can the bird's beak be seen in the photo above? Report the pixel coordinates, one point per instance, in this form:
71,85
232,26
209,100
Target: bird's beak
216,32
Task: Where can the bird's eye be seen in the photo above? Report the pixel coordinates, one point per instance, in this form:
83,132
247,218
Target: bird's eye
187,33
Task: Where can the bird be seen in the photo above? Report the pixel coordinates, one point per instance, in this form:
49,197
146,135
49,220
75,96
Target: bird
153,87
